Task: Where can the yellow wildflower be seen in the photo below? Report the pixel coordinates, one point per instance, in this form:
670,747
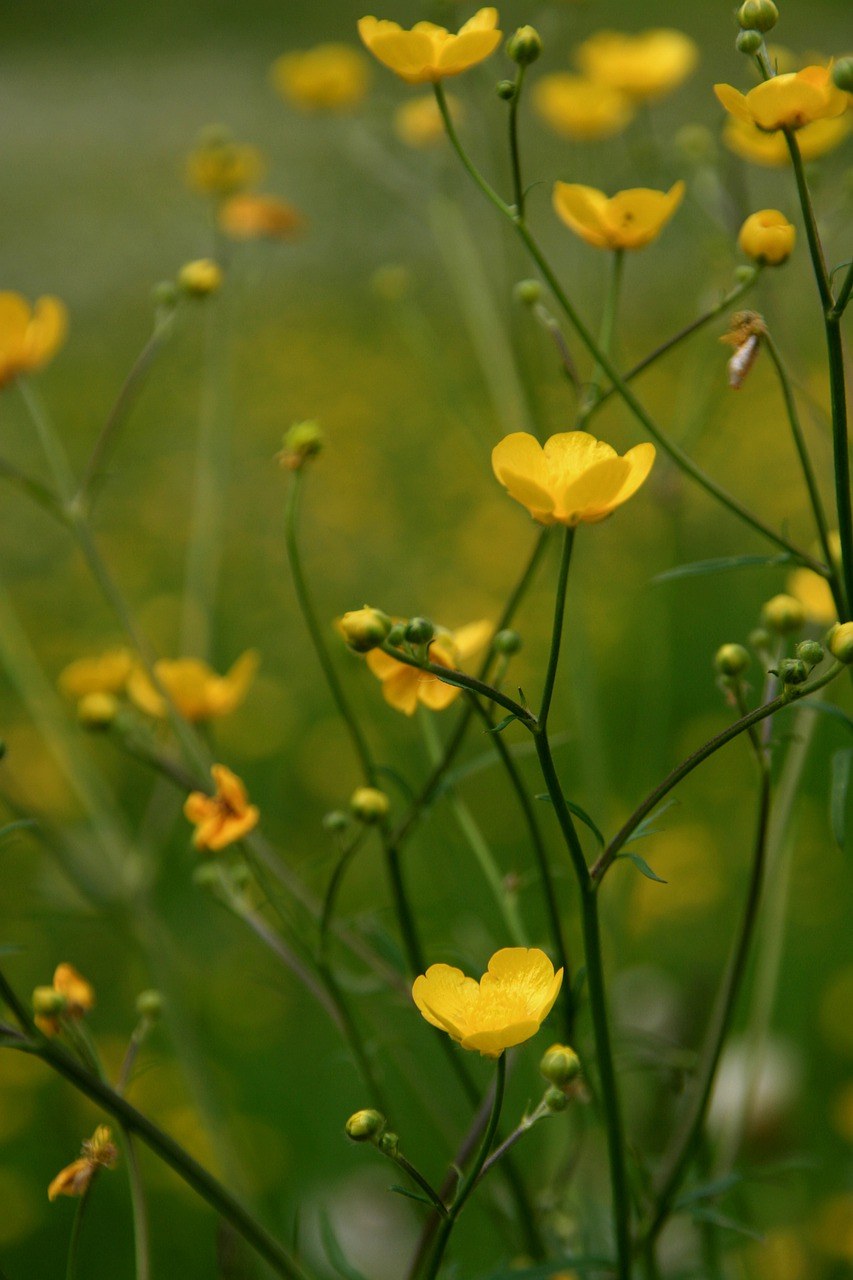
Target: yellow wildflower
197,691
107,673
812,589
200,277
29,336
815,140
329,77
220,166
223,818
72,997
419,123
646,65
256,217
582,109
506,1007
629,220
768,237
573,479
428,53
99,1152
789,101
403,687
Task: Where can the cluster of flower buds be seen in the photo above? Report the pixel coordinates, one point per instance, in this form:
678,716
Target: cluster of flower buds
560,1066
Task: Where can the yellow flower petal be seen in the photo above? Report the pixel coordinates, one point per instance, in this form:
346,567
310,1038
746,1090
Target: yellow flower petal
579,108
329,77
445,996
637,216
583,210
749,142
472,638
427,53
646,65
789,101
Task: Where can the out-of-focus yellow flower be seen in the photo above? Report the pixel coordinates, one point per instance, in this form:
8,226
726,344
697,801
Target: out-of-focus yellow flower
201,277
779,1256
646,65
196,690
428,53
506,1007
73,997
573,479
329,77
29,336
789,101
579,108
107,673
768,237
99,1152
419,122
833,1230
223,818
403,687
256,217
815,140
812,591
629,220
220,167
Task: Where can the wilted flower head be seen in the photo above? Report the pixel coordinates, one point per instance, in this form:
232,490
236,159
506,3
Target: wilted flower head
257,217
223,818
29,336
196,690
789,101
629,220
506,1007
749,142
219,166
403,686
329,77
99,1152
646,65
579,108
428,53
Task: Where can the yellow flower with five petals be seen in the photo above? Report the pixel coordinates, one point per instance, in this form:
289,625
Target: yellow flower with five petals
223,818
646,65
404,687
428,53
29,335
196,690
789,101
629,220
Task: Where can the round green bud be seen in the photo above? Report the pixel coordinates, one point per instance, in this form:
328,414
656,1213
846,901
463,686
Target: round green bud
302,441
240,875
389,1143
783,614
839,641
207,875
749,42
507,643
745,274
559,1065
365,1126
419,631
165,295
760,638
396,635
842,75
760,15
505,89
810,652
793,671
528,292
555,1099
365,629
47,1002
524,46
97,710
335,820
369,804
731,660
149,1004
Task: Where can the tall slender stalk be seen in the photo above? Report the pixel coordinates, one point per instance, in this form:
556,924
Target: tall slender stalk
605,337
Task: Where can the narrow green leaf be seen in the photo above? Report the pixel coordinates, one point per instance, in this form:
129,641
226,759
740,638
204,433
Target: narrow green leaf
643,866
334,1252
580,814
709,1190
725,1223
828,709
412,1195
647,827
502,724
720,565
20,824
838,788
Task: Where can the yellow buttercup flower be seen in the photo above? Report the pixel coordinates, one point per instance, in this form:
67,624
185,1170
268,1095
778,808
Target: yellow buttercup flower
428,53
329,77
646,65
29,336
99,1152
789,101
812,591
768,237
197,691
506,1007
419,122
257,217
573,479
815,140
223,818
579,108
220,166
70,996
107,673
629,220
403,687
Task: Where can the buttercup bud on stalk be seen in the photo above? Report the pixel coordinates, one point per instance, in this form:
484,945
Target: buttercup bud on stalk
525,46
365,1126
842,74
48,1002
389,1143
555,1099
397,635
365,629
760,639
810,652
749,42
528,291
792,671
165,295
839,642
783,614
97,710
200,278
419,631
744,274
149,1004
559,1064
335,820
304,440
507,643
369,804
762,15
506,90
768,237
731,660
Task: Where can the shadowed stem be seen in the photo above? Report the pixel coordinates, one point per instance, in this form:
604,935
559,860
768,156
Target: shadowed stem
71,1267
514,152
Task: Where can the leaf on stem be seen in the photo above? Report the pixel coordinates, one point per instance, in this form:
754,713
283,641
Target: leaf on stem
581,815
412,1195
719,565
647,827
643,866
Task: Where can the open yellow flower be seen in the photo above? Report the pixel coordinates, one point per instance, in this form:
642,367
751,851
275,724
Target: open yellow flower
789,101
107,673
506,1007
573,479
815,140
257,217
629,220
223,818
70,996
219,166
403,687
428,53
646,65
99,1152
197,691
768,237
329,77
29,336
579,108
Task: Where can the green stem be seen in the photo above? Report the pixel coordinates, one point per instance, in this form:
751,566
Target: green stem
514,152
418,1178
473,173
141,1244
605,338
327,910
50,441
844,293
812,234
557,629
460,680
71,1267
33,489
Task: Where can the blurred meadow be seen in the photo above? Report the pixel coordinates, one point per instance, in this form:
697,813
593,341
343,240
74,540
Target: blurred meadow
392,321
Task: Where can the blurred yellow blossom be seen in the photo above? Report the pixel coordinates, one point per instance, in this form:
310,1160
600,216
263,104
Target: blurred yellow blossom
29,335
419,123
812,591
646,65
99,1152
789,101
815,140
779,1256
106,673
506,1007
574,478
196,690
70,996
833,1230
220,167
842,1112
200,277
629,220
428,53
580,108
223,818
260,217
329,77
403,687
768,237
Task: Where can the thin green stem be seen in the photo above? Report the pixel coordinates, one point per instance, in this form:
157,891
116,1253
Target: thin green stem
844,293
557,629
139,1208
462,681
418,1178
514,151
812,234
605,338
34,489
49,439
542,1112
71,1266
327,909
473,173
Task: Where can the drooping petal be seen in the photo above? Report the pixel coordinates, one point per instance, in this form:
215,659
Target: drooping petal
734,102
400,690
435,693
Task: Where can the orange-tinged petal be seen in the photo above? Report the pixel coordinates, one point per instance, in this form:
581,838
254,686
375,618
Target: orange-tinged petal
198,807
73,1180
435,693
46,331
79,993
229,788
583,210
14,317
232,828
382,664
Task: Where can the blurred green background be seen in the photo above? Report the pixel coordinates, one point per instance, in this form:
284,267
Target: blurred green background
414,374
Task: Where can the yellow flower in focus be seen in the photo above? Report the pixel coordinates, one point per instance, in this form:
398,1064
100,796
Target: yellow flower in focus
72,997
418,122
220,167
403,687
581,109
223,818
99,1152
29,336
770,149
646,65
768,237
197,691
107,673
428,53
506,1007
789,101
329,77
629,220
251,217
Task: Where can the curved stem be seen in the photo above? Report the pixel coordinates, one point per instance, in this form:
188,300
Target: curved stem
514,153
557,629
605,337
462,681
420,1181
71,1267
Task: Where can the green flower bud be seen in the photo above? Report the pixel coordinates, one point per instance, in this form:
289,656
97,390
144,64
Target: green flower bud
810,652
839,641
749,42
48,1003
165,295
760,639
419,631
207,875
555,1099
760,15
528,291
842,74
745,274
525,46
696,142
783,614
336,820
365,1126
507,643
149,1004
304,440
389,1143
365,629
369,804
560,1064
397,635
731,660
793,671
505,89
